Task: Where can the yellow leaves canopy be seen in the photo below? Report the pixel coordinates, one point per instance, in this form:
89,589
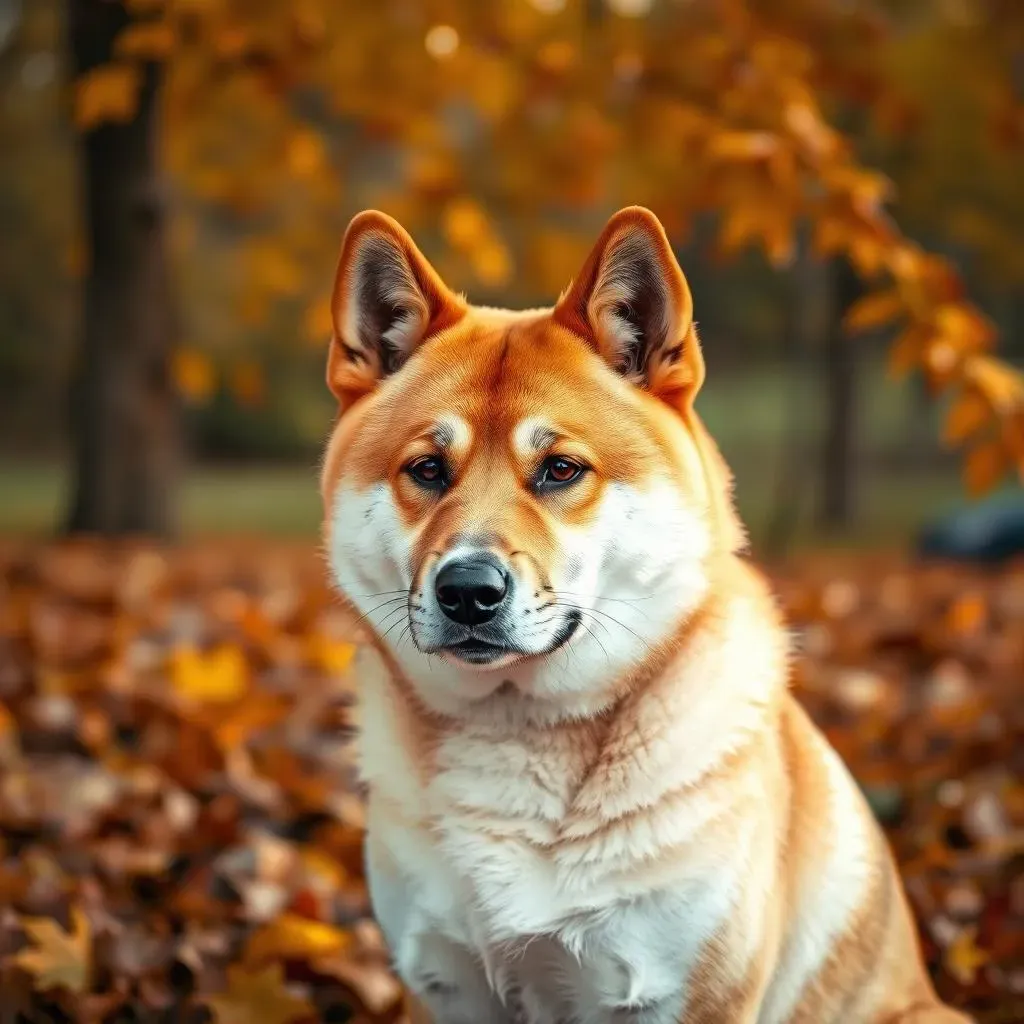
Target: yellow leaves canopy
545,114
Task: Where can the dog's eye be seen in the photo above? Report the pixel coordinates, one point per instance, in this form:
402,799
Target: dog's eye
557,471
429,472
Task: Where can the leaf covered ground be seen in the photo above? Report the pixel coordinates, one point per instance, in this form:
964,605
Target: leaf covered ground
180,831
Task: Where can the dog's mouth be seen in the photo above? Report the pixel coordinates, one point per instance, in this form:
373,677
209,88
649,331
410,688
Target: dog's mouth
475,651
478,652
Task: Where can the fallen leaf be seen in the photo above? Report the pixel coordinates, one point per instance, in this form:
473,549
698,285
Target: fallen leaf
216,676
257,997
60,959
291,937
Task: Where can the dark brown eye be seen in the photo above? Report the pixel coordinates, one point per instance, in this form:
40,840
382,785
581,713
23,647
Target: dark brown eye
556,471
429,472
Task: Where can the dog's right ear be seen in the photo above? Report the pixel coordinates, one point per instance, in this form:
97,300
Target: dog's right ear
387,300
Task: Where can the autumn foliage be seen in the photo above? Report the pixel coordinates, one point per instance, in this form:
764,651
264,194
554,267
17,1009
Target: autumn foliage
181,832
514,124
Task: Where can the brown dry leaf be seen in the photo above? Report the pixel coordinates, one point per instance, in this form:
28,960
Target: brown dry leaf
257,997
60,959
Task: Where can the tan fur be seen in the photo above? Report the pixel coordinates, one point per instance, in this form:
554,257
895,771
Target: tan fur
694,760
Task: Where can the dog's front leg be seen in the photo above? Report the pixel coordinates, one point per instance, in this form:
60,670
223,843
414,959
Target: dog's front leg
446,978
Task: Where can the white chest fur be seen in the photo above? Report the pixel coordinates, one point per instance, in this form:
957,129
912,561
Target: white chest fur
496,904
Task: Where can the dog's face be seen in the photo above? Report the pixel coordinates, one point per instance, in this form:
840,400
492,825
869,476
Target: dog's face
521,504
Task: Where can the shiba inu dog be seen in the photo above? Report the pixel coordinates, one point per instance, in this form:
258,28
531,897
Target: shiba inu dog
591,797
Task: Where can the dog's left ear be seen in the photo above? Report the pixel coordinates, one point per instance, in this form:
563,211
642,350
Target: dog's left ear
632,303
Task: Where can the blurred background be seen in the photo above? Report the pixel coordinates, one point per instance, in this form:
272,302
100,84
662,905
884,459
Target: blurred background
176,179
843,182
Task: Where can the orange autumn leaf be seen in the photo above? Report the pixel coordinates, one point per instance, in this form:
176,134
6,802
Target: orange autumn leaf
873,310
193,374
305,153
146,40
258,712
967,415
106,93
465,223
257,997
1002,386
58,958
292,937
217,676
985,465
333,656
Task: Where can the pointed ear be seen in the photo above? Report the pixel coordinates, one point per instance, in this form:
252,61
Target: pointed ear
387,300
632,303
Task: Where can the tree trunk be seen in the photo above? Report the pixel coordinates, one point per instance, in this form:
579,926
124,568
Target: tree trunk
808,309
125,421
838,452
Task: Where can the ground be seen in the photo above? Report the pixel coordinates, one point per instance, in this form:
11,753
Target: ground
180,834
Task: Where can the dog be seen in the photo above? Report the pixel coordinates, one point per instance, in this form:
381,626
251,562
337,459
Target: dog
591,797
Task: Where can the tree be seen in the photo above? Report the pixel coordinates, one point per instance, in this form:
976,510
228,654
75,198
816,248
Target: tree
502,132
124,426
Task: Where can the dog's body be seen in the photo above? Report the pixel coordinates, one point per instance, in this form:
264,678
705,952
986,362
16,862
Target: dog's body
592,798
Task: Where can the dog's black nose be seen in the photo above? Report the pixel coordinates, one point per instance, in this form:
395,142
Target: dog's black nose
470,591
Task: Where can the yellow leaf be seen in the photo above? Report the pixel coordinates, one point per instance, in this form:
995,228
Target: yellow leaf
193,374
257,997
966,416
963,327
492,263
109,92
217,676
60,959
291,937
465,223
1002,385
985,465
873,310
333,656
963,957
146,40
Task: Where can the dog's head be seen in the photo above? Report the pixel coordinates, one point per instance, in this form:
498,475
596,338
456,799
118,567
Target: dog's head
523,505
